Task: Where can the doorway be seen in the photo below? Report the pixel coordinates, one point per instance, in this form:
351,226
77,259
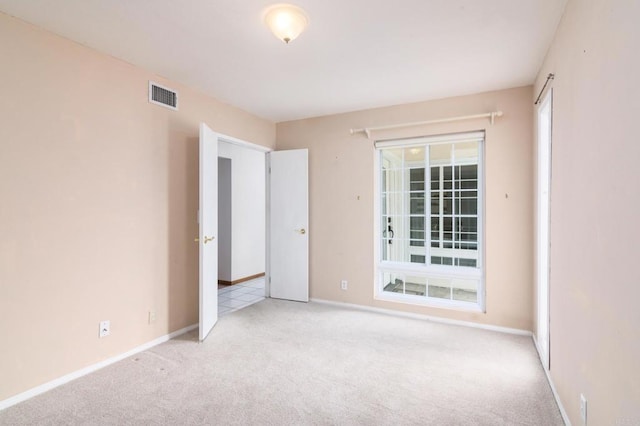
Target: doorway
284,209
545,111
241,226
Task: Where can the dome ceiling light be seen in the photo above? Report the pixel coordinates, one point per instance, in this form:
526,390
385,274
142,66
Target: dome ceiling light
286,21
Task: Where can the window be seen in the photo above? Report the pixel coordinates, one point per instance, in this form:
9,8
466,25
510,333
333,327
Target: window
430,235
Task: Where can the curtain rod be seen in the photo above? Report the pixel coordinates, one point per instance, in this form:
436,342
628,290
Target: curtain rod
367,130
549,77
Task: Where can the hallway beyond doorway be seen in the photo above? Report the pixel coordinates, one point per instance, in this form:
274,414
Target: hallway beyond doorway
238,296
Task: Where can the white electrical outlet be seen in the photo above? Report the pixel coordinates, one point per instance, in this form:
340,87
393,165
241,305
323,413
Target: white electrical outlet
105,328
152,317
583,409
343,284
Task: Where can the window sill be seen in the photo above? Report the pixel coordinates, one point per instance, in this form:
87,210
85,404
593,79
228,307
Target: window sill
428,302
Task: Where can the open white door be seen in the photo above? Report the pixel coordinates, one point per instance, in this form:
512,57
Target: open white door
544,187
208,219
288,248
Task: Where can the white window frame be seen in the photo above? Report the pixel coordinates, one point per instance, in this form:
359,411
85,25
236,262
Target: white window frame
432,271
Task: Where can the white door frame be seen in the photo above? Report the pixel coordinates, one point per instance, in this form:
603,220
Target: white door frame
543,207
260,148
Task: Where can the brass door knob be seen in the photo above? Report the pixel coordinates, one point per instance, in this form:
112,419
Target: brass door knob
206,239
302,231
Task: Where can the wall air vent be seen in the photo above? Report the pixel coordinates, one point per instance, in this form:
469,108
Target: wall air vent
164,96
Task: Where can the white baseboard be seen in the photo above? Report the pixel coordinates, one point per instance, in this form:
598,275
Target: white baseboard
565,417
426,317
90,369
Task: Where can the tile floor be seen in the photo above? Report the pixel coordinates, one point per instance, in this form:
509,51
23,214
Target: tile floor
238,296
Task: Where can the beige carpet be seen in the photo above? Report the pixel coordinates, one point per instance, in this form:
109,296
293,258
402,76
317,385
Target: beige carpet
279,363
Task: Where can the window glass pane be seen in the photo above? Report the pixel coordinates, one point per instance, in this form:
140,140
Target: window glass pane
417,203
435,203
465,290
466,262
468,173
418,240
463,237
447,205
435,177
467,194
416,179
393,282
394,203
414,155
396,283
468,224
467,184
391,180
416,286
392,157
466,229
440,153
447,174
435,225
417,231
466,152
468,246
440,288
417,223
467,206
417,258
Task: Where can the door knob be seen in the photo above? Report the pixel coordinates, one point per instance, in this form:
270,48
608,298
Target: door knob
302,231
206,239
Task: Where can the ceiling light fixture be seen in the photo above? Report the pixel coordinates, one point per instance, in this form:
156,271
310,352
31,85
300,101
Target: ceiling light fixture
286,21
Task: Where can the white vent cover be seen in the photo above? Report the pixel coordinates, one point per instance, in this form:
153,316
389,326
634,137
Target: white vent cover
164,96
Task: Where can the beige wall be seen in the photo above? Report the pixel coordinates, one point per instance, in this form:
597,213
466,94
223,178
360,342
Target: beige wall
595,319
98,196
341,179
98,202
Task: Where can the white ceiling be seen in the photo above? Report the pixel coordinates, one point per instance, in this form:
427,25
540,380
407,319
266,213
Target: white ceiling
355,54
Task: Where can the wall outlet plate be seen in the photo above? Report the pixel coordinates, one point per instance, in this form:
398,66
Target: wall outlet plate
343,284
152,317
105,328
